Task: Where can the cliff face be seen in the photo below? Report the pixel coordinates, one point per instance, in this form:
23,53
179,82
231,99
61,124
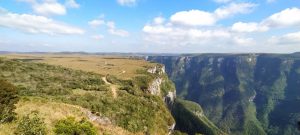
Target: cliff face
241,94
162,86
188,115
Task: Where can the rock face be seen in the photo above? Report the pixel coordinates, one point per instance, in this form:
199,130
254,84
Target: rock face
156,69
169,99
154,87
241,93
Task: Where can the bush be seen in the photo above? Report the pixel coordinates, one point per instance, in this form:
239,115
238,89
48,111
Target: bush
70,126
31,124
8,97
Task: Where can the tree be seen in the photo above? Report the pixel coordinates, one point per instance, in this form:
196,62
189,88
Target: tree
8,99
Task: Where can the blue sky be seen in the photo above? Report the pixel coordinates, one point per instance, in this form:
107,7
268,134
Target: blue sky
157,26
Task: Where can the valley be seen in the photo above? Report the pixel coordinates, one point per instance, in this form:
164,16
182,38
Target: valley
250,94
211,94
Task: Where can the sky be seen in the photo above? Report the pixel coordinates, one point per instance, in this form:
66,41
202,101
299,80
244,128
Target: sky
150,26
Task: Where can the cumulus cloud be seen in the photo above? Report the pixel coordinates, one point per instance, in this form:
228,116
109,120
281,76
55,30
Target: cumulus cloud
159,20
111,27
187,27
193,18
51,7
249,27
233,9
282,19
165,34
127,2
36,24
287,17
204,18
286,39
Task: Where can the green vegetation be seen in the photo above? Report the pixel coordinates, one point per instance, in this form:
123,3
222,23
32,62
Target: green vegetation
250,94
190,119
8,97
134,109
70,126
31,124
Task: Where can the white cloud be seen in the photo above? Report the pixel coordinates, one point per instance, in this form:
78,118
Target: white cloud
249,27
159,29
119,32
233,9
49,8
184,27
286,39
36,24
164,34
243,41
193,18
114,31
98,37
127,2
111,28
204,18
71,4
285,18
96,22
159,20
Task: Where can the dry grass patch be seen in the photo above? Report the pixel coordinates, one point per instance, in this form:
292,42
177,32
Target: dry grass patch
121,67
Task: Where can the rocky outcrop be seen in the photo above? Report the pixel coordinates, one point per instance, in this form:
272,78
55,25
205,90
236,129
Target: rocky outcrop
157,70
98,119
154,87
170,97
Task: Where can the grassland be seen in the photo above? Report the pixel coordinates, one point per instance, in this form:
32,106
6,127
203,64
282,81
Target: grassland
121,67
70,85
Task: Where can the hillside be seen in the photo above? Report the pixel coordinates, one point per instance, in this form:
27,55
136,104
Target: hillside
251,94
56,92
190,119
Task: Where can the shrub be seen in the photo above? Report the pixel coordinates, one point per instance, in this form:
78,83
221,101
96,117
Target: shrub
70,126
8,97
31,124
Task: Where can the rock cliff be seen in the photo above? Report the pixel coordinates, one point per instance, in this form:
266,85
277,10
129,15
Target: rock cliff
240,93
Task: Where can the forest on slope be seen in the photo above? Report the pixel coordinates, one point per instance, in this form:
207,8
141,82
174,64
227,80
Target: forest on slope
251,94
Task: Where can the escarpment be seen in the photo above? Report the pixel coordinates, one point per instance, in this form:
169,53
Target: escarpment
240,93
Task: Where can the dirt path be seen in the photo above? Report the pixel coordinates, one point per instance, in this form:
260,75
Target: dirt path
112,87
